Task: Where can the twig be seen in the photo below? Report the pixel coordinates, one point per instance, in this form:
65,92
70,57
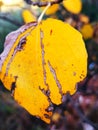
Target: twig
10,20
82,117
42,14
40,4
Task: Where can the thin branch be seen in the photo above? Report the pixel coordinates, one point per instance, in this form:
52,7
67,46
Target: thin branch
40,4
42,14
82,117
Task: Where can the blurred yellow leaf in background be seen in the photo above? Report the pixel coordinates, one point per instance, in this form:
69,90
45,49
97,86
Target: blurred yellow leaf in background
73,6
87,31
52,9
28,16
83,18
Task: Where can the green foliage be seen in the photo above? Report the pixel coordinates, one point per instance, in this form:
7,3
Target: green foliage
90,8
8,26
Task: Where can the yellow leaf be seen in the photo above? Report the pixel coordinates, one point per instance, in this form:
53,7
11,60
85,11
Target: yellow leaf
52,9
42,63
56,117
28,16
73,6
87,31
83,18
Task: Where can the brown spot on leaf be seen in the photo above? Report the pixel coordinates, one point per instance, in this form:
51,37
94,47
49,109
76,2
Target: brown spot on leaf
21,44
80,77
46,116
51,31
74,73
13,86
52,70
19,65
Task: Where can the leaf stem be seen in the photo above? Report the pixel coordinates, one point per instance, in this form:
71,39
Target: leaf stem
42,14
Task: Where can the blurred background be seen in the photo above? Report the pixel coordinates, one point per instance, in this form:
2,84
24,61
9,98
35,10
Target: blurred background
81,111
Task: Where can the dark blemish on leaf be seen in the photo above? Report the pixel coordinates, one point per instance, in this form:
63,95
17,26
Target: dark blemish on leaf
72,64
15,78
80,77
53,72
35,73
47,92
43,57
19,65
83,75
21,44
40,109
13,86
4,76
46,116
74,73
51,32
41,23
